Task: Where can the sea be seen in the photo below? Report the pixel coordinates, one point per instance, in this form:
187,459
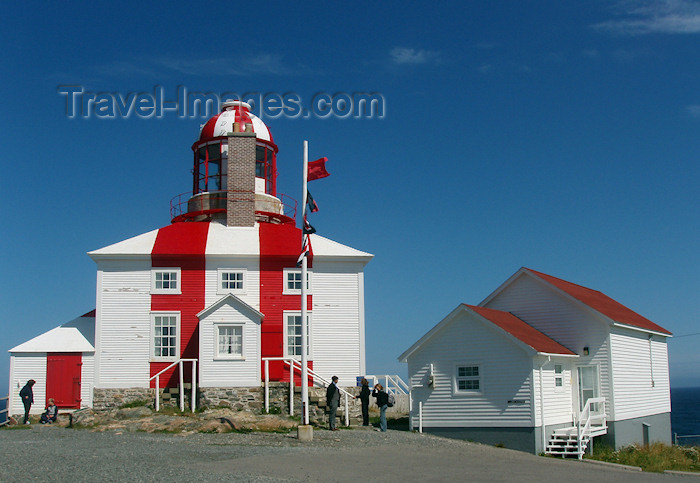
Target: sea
685,415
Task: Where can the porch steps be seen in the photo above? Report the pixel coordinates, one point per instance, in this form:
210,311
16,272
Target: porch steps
564,443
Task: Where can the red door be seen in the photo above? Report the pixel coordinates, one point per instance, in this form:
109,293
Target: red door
63,378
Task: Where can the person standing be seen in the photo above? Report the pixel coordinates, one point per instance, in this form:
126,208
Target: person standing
27,395
332,400
382,402
364,398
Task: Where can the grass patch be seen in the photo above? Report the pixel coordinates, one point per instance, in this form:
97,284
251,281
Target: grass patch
135,404
656,457
15,427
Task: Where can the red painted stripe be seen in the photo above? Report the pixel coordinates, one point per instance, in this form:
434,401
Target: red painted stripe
182,245
279,249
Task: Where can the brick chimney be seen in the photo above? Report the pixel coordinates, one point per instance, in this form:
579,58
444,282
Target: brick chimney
240,196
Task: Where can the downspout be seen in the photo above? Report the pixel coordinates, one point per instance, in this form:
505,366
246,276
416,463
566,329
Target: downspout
544,435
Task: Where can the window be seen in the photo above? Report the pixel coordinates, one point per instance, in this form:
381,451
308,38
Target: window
292,281
467,378
165,340
558,376
165,280
231,281
293,333
229,341
211,167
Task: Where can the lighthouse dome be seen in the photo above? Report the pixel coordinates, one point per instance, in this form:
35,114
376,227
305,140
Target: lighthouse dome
235,116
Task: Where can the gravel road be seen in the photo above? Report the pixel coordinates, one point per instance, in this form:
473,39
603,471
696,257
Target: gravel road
46,453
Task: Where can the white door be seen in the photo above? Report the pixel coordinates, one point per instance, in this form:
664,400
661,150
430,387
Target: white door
588,386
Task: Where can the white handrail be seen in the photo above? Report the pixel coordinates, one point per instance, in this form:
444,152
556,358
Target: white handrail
392,383
296,365
6,410
179,362
586,417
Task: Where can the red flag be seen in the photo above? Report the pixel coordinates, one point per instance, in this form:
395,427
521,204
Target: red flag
317,169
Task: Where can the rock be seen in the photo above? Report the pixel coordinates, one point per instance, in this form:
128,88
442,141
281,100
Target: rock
133,413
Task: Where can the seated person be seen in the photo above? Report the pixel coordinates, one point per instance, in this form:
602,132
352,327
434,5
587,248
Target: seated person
51,413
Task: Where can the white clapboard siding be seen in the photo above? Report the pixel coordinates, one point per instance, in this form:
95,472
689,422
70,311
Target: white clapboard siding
558,402
251,289
123,324
632,359
506,375
87,379
337,319
25,366
217,372
564,320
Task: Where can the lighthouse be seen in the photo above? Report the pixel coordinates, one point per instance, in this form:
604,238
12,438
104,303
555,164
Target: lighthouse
218,288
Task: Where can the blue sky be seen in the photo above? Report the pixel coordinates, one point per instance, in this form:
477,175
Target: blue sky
561,136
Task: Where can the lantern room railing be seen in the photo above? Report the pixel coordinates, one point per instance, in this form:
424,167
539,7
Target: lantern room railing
185,206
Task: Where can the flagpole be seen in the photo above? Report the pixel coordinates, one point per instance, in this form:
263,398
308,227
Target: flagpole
304,342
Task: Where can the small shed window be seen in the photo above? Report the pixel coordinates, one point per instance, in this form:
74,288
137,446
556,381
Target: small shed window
467,379
558,376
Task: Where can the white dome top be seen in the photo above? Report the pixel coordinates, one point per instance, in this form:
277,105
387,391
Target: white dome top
234,112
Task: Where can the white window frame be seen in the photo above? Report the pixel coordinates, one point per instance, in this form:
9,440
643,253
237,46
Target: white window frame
220,278
296,291
154,275
153,356
285,342
456,378
559,377
225,356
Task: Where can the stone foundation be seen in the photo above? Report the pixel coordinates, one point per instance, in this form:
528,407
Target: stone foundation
114,398
250,399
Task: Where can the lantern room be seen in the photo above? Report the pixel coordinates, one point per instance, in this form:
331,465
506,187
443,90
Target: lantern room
211,150
235,162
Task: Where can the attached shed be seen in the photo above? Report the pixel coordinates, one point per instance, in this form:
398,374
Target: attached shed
61,361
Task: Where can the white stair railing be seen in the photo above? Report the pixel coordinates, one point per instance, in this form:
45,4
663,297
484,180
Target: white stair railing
393,384
594,410
295,365
179,363
5,420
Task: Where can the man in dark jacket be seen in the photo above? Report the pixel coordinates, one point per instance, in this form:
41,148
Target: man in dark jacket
332,401
27,395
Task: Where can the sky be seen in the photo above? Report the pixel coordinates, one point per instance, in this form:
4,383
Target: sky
559,136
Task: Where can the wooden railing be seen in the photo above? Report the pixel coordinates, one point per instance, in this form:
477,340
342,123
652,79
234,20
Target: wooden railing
593,412
181,382
6,419
295,366
393,384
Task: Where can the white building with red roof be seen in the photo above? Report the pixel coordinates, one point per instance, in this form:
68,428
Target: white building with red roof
542,365
218,288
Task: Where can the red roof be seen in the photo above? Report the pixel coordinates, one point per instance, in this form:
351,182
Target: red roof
521,330
601,303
